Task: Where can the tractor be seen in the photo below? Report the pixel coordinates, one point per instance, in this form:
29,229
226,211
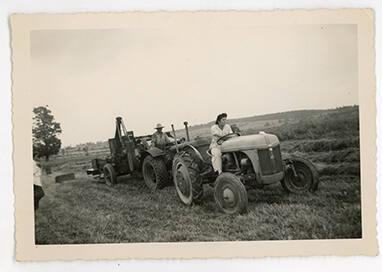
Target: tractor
133,155
249,162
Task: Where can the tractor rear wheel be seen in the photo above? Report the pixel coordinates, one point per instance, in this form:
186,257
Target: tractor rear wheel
230,194
300,176
155,173
109,174
187,181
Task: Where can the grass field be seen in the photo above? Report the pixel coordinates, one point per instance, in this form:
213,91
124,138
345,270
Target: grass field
85,210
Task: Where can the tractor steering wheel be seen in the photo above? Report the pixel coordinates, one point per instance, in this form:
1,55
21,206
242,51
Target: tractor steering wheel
226,137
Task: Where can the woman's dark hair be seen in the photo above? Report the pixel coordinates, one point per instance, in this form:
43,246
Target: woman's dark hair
220,116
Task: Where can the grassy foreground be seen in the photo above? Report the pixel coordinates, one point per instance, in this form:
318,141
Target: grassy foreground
87,211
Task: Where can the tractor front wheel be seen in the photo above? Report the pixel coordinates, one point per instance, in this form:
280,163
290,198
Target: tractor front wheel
109,174
155,173
230,194
300,176
187,181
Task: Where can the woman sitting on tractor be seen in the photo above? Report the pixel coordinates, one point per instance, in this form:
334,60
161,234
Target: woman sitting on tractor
218,130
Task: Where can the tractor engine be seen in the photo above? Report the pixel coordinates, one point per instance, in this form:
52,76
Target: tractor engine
236,161
228,161
257,156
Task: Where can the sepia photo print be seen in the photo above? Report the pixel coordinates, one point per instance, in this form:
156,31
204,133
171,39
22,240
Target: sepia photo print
195,131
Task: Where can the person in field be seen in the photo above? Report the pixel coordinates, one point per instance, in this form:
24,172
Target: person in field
218,130
38,192
160,139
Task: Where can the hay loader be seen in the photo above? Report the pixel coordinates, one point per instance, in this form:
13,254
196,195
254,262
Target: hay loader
132,155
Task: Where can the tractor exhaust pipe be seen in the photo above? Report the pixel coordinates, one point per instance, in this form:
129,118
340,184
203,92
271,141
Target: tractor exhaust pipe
176,141
186,127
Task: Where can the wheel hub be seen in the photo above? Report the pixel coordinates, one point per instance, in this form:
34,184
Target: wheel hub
181,184
182,181
228,196
299,180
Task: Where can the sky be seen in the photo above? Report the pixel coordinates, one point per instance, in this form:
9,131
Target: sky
167,75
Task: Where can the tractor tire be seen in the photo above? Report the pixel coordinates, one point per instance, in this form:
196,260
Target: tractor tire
187,181
110,175
155,173
230,194
307,178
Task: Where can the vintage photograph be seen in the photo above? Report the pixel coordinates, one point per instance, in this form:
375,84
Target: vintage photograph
195,128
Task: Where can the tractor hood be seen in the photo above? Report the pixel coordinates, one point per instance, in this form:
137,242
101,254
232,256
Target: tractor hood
256,141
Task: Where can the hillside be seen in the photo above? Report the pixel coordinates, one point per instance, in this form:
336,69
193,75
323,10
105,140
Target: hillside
292,124
286,125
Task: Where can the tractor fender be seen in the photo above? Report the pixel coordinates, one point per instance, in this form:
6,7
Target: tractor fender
196,152
154,152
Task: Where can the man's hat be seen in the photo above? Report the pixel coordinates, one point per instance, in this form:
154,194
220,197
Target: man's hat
159,125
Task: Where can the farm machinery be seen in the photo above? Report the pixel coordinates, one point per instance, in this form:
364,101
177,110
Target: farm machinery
133,155
249,162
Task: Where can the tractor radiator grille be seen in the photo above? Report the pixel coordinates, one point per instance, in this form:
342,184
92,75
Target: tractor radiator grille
270,160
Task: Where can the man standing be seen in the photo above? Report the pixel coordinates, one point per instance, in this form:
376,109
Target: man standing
160,139
218,130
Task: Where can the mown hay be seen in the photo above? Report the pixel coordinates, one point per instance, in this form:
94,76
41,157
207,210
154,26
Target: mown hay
351,169
328,145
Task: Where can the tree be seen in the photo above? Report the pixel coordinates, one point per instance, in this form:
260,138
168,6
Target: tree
45,131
